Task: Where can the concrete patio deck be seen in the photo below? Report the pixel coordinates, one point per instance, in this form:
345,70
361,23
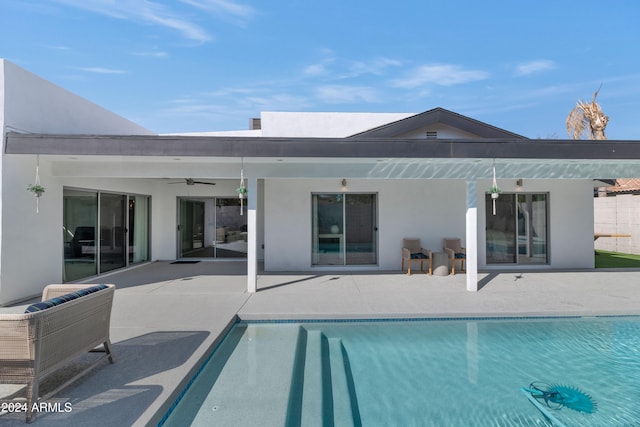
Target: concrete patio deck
167,318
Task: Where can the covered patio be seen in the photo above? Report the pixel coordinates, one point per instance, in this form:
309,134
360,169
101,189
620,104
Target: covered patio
275,168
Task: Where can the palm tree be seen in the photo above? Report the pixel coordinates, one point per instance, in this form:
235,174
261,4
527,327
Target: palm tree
587,118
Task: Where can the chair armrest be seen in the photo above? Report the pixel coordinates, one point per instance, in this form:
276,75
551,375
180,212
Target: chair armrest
406,253
450,252
427,252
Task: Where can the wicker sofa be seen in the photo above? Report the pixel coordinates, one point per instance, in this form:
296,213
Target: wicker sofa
69,321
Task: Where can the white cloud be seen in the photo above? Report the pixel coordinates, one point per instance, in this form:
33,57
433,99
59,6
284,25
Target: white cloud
223,7
315,70
100,70
340,69
143,11
534,67
152,54
57,47
237,102
342,94
439,74
376,66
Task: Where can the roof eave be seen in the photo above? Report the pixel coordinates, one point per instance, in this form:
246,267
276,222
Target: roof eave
210,146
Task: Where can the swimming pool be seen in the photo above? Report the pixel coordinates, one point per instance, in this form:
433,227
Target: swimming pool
465,372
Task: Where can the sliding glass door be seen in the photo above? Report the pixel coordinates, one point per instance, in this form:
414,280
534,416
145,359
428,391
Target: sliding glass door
344,229
211,227
103,232
517,233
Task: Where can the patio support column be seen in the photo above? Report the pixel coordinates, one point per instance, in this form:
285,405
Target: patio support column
471,244
252,234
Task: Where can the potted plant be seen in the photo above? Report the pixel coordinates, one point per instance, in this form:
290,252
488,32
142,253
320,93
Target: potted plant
242,191
495,191
36,189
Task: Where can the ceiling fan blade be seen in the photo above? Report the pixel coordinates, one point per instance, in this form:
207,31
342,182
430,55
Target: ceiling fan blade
191,181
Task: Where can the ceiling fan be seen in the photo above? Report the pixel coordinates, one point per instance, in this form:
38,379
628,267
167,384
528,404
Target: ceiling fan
191,181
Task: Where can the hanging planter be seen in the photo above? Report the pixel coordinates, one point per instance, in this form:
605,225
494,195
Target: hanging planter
36,188
494,190
242,190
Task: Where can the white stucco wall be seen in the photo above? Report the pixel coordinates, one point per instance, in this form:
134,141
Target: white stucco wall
409,208
35,105
428,209
329,125
571,224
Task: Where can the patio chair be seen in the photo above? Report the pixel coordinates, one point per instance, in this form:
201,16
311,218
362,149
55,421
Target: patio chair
412,250
456,252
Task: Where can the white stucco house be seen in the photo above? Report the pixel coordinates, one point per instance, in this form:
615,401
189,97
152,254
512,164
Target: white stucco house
326,191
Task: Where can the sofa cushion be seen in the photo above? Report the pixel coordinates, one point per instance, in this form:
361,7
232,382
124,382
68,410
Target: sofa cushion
43,305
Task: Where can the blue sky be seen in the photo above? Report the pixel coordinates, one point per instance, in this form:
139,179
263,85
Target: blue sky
198,65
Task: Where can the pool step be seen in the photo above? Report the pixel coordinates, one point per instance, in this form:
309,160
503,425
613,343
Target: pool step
315,405
345,402
322,392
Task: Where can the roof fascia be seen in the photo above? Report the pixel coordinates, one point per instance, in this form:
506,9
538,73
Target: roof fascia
210,146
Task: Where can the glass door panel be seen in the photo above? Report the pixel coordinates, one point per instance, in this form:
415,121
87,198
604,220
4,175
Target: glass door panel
231,229
532,229
191,229
501,229
138,229
360,229
112,231
79,231
327,229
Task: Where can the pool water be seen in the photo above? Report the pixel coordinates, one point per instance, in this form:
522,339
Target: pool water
415,373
